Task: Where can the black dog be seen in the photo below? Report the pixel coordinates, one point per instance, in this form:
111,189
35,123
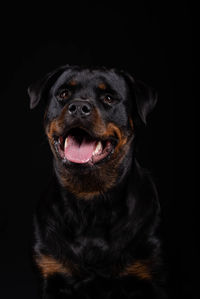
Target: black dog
95,229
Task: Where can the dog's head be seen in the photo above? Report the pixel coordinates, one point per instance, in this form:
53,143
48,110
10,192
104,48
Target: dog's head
90,121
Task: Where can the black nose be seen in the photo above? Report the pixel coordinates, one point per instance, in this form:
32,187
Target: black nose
80,108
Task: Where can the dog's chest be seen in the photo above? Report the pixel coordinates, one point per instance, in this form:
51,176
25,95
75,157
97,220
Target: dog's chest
91,239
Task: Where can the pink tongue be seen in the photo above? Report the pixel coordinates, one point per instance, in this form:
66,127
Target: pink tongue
79,153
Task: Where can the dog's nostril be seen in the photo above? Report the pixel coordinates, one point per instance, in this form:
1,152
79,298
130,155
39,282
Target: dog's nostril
79,109
86,109
72,108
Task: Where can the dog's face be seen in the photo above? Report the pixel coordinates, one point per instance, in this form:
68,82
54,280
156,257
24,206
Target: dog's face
90,124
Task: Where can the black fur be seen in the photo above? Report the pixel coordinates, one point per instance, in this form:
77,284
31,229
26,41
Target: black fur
95,228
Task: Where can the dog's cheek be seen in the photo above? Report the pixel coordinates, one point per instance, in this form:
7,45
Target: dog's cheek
52,129
123,137
53,109
56,125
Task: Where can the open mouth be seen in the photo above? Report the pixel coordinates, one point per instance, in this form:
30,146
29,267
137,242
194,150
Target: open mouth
78,146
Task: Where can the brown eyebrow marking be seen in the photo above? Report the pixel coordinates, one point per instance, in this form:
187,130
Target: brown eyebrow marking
72,82
102,86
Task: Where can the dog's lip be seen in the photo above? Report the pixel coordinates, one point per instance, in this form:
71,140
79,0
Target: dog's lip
85,130
108,145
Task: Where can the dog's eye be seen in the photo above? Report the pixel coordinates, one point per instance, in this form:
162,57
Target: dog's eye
64,95
108,99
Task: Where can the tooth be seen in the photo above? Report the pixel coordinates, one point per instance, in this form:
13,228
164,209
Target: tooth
66,141
98,148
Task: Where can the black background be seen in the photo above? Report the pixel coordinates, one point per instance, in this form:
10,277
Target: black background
150,40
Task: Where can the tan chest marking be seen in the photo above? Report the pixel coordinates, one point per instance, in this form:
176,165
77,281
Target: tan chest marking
139,269
48,266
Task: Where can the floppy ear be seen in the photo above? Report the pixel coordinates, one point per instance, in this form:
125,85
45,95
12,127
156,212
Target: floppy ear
146,99
37,89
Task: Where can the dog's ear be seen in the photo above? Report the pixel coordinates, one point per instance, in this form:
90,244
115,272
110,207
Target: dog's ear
145,97
37,89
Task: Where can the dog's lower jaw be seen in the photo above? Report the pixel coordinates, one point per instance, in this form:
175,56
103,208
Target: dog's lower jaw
90,183
82,185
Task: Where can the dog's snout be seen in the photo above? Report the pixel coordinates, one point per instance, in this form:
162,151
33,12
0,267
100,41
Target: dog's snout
80,109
